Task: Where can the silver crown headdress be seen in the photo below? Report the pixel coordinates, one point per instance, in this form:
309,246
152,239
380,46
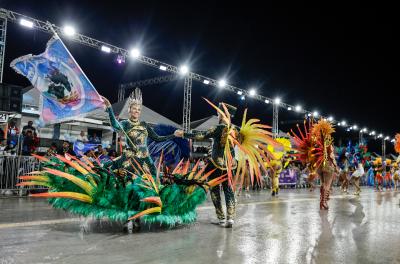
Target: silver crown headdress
136,97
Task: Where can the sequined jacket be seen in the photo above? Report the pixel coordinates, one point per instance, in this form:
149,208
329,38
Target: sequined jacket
138,133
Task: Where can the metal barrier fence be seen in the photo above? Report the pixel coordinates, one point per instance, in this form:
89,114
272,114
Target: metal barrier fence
13,166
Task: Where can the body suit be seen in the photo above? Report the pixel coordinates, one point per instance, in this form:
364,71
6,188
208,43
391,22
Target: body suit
137,156
217,162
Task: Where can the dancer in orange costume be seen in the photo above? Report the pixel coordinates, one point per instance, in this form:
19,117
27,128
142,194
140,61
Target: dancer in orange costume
378,173
314,147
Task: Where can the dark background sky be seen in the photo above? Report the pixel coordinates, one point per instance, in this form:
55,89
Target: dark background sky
337,60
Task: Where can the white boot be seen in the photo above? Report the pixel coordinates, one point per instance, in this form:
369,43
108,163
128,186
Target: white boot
129,227
229,223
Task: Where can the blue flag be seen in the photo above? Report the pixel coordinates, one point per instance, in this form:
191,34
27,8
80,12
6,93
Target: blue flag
80,147
66,91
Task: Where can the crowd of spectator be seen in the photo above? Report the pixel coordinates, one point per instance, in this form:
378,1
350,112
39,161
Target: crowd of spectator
13,141
96,154
93,139
25,142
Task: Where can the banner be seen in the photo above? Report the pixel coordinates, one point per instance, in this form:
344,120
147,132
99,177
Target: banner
66,92
288,177
80,148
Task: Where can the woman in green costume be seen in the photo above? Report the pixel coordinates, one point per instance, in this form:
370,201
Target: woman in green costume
129,188
136,132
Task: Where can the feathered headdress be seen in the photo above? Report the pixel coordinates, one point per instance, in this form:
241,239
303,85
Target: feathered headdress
304,143
136,97
323,128
280,151
322,133
377,161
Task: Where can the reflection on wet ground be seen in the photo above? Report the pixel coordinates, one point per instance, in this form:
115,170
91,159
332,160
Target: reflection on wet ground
286,229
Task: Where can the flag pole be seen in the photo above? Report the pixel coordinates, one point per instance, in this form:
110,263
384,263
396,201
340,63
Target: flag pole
51,28
56,35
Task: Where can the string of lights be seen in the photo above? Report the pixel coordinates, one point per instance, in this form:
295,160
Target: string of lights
184,70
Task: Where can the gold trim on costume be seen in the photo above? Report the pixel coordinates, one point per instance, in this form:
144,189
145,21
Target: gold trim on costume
219,166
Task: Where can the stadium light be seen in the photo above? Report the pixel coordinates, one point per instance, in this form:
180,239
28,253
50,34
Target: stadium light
206,82
297,108
163,67
105,49
26,23
135,53
277,100
252,92
184,69
69,31
267,101
239,92
222,83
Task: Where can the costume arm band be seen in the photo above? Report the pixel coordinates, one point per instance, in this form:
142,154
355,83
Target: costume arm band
199,136
154,136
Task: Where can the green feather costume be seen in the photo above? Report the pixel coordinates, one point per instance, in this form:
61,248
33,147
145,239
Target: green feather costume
83,188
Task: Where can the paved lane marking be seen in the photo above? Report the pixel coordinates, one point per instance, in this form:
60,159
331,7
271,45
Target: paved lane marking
201,208
40,222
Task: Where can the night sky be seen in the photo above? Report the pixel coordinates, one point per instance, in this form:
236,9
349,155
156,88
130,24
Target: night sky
337,60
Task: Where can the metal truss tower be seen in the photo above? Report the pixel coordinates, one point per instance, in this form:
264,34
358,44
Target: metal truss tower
187,102
361,138
3,35
383,149
131,85
275,120
121,93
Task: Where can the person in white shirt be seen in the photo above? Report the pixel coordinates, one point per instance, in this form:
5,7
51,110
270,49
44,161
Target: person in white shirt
82,137
357,174
396,175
